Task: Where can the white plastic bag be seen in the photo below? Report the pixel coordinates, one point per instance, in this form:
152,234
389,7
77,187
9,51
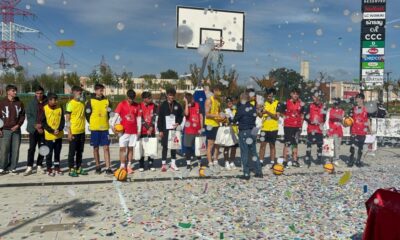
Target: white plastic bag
138,151
174,140
226,137
150,146
328,147
200,146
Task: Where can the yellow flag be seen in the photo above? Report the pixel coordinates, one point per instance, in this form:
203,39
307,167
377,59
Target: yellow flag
345,178
65,43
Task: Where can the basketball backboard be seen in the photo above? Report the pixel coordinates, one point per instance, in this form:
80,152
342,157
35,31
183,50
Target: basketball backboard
196,25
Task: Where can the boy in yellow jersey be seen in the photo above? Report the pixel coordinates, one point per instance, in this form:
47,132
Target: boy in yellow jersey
98,110
230,152
269,131
75,118
53,125
213,118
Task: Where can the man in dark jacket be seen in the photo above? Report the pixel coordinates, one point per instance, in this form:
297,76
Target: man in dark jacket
169,118
34,114
246,119
12,116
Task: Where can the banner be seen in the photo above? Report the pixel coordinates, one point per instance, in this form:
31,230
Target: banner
373,34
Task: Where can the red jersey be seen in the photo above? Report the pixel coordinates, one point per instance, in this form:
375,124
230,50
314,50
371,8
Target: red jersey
336,116
147,117
360,125
193,124
292,114
128,114
316,118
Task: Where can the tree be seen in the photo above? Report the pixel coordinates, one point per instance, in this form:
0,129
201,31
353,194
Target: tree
93,78
72,79
263,83
169,74
285,79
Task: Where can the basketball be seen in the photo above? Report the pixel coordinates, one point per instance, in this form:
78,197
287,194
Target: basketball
202,172
121,174
329,168
348,121
278,169
119,128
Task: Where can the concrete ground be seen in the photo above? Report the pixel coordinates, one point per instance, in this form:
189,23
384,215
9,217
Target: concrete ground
304,203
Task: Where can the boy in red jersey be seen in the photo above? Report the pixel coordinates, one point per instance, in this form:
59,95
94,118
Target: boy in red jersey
127,112
149,112
360,128
315,115
336,115
293,121
193,126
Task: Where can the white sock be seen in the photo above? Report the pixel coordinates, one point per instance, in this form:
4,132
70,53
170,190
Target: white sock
122,165
188,162
129,164
173,161
164,162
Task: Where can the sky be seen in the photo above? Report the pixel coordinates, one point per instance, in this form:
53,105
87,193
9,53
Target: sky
278,33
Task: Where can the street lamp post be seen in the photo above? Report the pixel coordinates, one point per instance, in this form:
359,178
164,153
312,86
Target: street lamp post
387,89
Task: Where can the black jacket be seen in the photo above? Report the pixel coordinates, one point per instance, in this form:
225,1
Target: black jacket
165,110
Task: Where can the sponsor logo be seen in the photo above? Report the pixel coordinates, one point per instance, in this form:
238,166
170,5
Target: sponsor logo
379,23
373,44
374,1
374,15
373,65
373,37
373,72
374,8
373,58
373,51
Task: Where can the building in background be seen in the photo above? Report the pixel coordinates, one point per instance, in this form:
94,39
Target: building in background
305,70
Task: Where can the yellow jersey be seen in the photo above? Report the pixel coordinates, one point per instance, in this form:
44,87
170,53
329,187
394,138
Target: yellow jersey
215,109
100,108
270,124
53,120
77,111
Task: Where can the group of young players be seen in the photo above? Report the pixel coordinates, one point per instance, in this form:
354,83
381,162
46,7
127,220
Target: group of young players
47,121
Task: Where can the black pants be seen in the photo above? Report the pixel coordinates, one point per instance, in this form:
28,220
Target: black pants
358,141
76,147
54,146
164,143
318,139
35,139
141,162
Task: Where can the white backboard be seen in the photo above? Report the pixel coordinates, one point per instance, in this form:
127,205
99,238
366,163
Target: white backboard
195,25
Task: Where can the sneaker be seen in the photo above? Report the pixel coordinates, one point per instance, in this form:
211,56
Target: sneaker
2,172
40,170
14,172
173,167
109,172
189,167
50,172
140,170
151,166
81,171
296,164
359,164
227,166
98,170
233,165
129,169
336,163
259,175
73,173
262,162
245,177
58,171
164,168
28,171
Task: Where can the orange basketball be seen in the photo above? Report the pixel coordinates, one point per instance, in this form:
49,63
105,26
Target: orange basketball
278,169
348,121
119,128
329,168
121,174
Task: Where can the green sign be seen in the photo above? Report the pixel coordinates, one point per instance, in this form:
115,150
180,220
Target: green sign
373,44
373,65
